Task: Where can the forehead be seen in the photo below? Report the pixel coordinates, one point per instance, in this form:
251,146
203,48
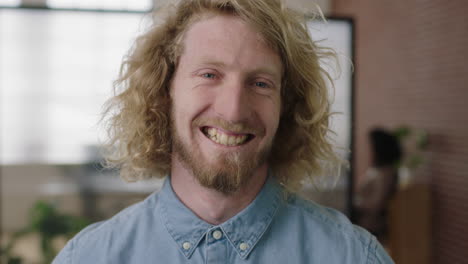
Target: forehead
230,40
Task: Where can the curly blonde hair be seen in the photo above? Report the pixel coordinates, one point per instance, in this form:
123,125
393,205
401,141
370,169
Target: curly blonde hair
139,114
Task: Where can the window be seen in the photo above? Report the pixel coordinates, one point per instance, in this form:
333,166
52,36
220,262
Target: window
56,72
11,3
127,5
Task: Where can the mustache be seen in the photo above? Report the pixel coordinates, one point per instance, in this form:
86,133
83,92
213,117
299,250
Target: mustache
242,127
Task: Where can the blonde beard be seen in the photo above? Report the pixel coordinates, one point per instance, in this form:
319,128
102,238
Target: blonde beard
229,173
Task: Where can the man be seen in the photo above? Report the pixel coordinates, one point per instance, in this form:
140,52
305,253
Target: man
228,99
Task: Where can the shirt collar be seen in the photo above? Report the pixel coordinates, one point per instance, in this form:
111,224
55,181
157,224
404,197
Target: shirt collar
243,230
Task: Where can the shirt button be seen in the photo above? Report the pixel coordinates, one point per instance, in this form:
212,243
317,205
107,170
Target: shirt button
243,246
217,234
186,245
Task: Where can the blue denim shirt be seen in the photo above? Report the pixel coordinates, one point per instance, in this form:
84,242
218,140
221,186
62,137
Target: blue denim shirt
277,227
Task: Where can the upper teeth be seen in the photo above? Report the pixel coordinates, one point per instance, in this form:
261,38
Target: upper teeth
225,139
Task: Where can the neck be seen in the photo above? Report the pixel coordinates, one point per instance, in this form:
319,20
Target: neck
210,205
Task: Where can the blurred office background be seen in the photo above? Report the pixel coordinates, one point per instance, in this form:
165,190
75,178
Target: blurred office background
58,59
411,69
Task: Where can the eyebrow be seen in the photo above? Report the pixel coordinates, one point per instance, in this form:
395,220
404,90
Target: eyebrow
210,63
260,70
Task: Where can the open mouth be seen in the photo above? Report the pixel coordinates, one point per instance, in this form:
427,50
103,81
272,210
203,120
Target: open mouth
226,139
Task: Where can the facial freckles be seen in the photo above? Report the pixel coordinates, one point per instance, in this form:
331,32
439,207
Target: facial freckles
225,102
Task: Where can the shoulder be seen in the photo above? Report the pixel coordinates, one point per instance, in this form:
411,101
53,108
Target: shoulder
325,216
101,237
138,212
334,229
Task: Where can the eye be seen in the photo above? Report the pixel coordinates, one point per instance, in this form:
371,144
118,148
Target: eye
261,84
208,75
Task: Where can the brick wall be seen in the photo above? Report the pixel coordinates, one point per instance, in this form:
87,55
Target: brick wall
411,68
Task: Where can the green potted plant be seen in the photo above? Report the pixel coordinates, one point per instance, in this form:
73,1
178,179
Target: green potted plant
414,142
49,223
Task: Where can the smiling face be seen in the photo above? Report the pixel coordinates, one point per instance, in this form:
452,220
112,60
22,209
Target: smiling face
225,102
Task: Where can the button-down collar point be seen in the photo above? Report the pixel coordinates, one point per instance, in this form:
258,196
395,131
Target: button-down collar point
186,245
243,246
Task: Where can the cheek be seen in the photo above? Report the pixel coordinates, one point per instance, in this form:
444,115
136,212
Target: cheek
180,115
270,114
187,107
274,123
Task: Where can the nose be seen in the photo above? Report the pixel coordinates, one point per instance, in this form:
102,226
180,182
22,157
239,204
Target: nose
232,101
